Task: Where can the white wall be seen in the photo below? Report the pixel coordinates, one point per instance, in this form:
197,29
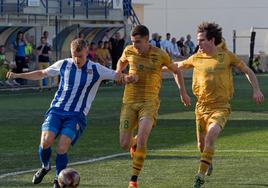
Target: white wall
182,17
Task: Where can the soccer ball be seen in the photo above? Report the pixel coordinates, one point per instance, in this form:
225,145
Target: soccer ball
69,178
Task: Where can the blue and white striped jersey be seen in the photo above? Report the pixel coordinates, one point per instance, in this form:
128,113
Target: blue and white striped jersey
77,87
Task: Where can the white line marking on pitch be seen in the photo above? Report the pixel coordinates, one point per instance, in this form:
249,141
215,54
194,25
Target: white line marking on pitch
124,154
217,151
70,164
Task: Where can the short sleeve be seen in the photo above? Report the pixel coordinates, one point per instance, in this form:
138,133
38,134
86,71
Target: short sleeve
123,57
235,61
106,73
166,59
54,69
187,63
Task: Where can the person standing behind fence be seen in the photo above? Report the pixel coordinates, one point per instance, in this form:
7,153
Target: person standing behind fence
43,51
18,46
190,45
117,45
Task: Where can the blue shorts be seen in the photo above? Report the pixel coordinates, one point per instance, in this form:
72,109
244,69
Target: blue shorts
70,125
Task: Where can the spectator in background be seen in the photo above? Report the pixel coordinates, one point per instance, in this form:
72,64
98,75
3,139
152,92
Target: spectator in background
46,35
103,54
29,51
4,68
182,47
81,35
190,45
166,44
155,40
18,47
100,53
108,58
175,53
92,52
117,47
43,51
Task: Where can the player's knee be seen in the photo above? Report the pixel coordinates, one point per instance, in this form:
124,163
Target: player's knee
61,149
46,142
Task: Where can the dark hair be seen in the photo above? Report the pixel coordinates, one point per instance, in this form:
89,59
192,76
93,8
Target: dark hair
17,38
140,30
78,45
212,30
100,42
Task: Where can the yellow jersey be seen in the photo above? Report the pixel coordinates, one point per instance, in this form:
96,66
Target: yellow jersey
212,76
148,67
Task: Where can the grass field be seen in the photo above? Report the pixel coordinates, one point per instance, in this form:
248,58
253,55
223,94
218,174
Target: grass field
241,158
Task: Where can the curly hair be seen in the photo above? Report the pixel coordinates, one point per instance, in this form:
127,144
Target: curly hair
212,30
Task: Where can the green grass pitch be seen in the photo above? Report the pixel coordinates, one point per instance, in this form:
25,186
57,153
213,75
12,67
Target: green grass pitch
241,157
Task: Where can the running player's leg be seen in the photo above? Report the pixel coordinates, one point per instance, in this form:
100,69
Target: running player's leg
147,120
216,122
50,129
145,127
72,128
128,122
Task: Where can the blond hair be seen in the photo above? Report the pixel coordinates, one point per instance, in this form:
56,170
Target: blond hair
78,45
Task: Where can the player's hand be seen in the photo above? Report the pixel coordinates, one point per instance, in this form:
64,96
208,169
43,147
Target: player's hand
185,99
258,96
10,75
132,78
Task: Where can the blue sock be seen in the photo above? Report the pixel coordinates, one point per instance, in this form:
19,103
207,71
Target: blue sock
61,162
44,155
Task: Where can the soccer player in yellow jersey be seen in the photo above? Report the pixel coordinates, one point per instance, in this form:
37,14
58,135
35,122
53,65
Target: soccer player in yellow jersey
141,100
213,87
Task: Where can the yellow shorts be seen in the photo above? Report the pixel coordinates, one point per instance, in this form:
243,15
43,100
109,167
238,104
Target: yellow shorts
132,113
207,115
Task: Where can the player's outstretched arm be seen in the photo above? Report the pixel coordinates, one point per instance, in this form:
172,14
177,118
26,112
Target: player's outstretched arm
121,78
34,75
186,100
121,66
257,94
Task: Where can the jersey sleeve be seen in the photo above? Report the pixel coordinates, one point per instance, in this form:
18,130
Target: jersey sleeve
187,63
106,73
123,57
235,61
54,69
168,62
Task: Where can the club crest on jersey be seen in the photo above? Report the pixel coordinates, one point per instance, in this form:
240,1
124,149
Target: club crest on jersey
89,71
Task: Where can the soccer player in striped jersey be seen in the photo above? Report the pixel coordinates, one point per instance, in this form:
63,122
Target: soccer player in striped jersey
213,87
141,99
66,117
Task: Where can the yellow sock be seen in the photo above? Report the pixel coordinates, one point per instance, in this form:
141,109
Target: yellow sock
138,160
205,160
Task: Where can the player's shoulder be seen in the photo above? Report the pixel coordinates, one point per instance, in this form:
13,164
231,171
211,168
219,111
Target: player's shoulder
159,51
